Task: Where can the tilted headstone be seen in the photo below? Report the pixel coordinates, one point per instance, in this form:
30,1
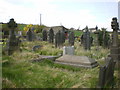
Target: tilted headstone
68,50
106,73
86,39
44,33
51,36
12,43
71,38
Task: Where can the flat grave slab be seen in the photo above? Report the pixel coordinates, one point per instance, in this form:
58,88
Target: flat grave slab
80,61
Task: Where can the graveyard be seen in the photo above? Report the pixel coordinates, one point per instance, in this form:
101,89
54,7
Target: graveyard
42,58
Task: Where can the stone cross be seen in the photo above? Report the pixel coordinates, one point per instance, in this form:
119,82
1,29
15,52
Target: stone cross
87,39
115,48
51,36
12,41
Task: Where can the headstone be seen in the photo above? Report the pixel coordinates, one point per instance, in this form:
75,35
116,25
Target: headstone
44,33
86,39
12,43
106,73
30,35
62,36
57,39
115,48
68,50
79,61
106,39
71,38
51,36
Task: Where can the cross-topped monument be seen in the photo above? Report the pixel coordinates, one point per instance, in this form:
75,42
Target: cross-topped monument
115,48
12,41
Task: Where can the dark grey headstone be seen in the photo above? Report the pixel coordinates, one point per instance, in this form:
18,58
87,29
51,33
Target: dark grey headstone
51,36
12,43
106,73
44,33
71,38
87,39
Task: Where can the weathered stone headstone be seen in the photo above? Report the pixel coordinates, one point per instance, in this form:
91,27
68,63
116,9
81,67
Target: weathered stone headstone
115,48
12,43
79,61
51,36
106,73
57,39
86,39
44,33
71,38
62,36
30,35
68,50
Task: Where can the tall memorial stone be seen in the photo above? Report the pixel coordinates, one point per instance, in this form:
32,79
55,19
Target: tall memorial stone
62,35
30,35
51,36
44,34
57,39
86,39
115,48
71,38
106,74
12,43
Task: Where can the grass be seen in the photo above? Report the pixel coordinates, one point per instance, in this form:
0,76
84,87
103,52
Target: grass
18,72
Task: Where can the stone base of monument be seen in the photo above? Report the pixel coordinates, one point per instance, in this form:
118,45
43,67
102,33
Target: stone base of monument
115,53
79,61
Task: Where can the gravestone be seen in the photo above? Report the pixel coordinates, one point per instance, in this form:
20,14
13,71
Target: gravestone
71,38
51,36
62,36
12,43
57,39
106,73
115,48
30,35
68,50
106,39
79,61
44,33
86,39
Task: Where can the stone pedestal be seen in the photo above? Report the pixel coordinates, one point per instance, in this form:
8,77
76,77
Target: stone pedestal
78,61
115,53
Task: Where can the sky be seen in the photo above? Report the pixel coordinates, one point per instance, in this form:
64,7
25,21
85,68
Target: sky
69,13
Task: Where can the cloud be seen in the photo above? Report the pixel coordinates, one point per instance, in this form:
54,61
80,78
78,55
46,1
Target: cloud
28,11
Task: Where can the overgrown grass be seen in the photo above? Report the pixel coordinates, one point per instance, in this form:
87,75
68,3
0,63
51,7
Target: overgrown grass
18,72
45,74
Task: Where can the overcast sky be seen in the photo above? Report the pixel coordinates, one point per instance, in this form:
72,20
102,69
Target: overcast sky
69,13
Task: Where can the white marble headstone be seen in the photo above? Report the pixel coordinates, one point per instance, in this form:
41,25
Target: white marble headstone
68,50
